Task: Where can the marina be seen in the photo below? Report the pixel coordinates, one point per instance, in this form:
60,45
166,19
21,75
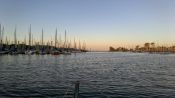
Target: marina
87,49
17,47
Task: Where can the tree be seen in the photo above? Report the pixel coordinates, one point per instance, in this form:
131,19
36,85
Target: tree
111,49
152,44
147,45
137,47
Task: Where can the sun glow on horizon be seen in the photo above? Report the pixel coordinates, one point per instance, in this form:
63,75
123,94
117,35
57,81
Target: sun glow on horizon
100,24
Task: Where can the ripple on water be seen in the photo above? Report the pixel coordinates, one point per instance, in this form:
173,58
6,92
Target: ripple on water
101,75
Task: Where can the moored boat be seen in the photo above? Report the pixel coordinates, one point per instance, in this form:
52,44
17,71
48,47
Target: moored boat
55,53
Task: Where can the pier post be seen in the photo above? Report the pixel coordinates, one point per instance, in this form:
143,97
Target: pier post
76,91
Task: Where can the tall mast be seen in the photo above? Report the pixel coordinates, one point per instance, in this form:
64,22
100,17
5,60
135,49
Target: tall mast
32,40
0,35
51,41
0,32
25,40
84,45
65,40
70,44
56,38
79,45
42,38
6,41
15,39
75,46
30,35
0,38
60,41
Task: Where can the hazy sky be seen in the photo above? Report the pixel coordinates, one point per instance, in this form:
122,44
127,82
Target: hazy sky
101,23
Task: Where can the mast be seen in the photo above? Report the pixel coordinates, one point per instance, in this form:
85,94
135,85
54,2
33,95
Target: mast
25,40
32,40
60,41
56,38
75,46
79,45
51,41
15,39
84,46
2,35
42,38
69,44
30,35
6,41
65,40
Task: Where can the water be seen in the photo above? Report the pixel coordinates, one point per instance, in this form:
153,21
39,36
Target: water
101,75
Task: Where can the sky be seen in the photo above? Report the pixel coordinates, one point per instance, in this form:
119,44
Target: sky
100,23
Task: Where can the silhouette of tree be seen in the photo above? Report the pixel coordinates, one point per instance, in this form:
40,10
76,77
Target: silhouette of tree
111,48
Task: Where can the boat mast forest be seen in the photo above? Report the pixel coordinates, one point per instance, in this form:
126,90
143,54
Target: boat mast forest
38,47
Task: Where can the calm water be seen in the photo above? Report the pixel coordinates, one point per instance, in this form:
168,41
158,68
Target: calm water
101,75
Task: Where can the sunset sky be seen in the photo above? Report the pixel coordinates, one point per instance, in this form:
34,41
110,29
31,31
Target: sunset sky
101,23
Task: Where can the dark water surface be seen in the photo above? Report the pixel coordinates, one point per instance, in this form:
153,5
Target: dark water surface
101,75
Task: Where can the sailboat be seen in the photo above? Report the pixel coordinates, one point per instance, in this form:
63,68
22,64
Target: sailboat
66,50
42,51
2,51
29,51
14,51
55,51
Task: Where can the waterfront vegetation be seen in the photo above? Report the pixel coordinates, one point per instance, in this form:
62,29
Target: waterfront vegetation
147,47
